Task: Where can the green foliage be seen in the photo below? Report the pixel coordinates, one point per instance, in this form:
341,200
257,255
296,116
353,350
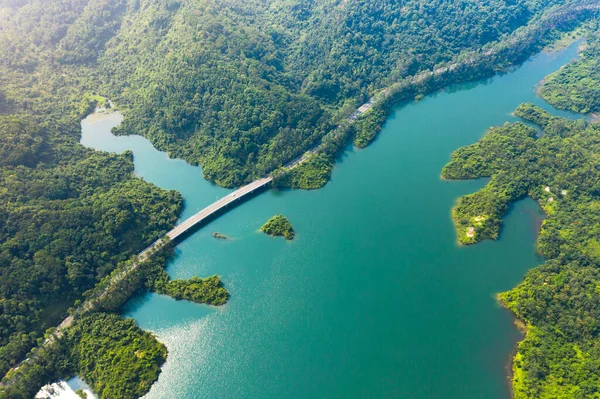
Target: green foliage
479,216
13,350
69,215
278,225
561,298
560,356
498,56
244,87
368,126
200,290
51,362
559,301
518,164
22,143
240,87
114,356
312,174
208,290
127,279
575,87
86,37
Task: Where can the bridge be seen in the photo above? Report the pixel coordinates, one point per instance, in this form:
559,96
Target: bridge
180,230
250,188
217,206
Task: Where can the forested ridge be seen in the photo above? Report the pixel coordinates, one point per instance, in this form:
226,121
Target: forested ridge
247,86
238,87
559,301
244,87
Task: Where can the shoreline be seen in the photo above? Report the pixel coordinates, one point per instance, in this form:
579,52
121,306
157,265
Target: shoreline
64,390
458,81
521,328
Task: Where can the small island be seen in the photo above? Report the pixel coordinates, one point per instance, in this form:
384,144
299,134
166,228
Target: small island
279,225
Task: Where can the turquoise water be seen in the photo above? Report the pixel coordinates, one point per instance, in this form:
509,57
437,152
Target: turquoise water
374,298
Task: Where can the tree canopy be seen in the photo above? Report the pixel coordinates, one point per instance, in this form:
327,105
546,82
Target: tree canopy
239,87
279,225
575,87
559,301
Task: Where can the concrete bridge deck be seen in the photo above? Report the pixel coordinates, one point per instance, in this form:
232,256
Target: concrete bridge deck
218,206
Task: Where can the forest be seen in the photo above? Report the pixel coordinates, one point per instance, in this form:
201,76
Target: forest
248,86
575,87
279,225
115,357
558,166
240,88
208,290
243,87
69,215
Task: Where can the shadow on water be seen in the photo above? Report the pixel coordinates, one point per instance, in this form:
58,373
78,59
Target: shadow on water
456,87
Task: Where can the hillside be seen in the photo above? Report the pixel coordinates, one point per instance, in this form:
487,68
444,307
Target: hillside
241,87
237,87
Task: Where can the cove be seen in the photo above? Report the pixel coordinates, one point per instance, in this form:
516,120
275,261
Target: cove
373,298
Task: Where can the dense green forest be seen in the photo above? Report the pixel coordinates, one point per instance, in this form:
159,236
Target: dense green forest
575,87
279,226
69,215
493,58
115,357
238,87
208,290
134,276
242,87
98,337
559,301
311,174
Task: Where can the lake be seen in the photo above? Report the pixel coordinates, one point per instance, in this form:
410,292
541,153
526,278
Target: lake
374,298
